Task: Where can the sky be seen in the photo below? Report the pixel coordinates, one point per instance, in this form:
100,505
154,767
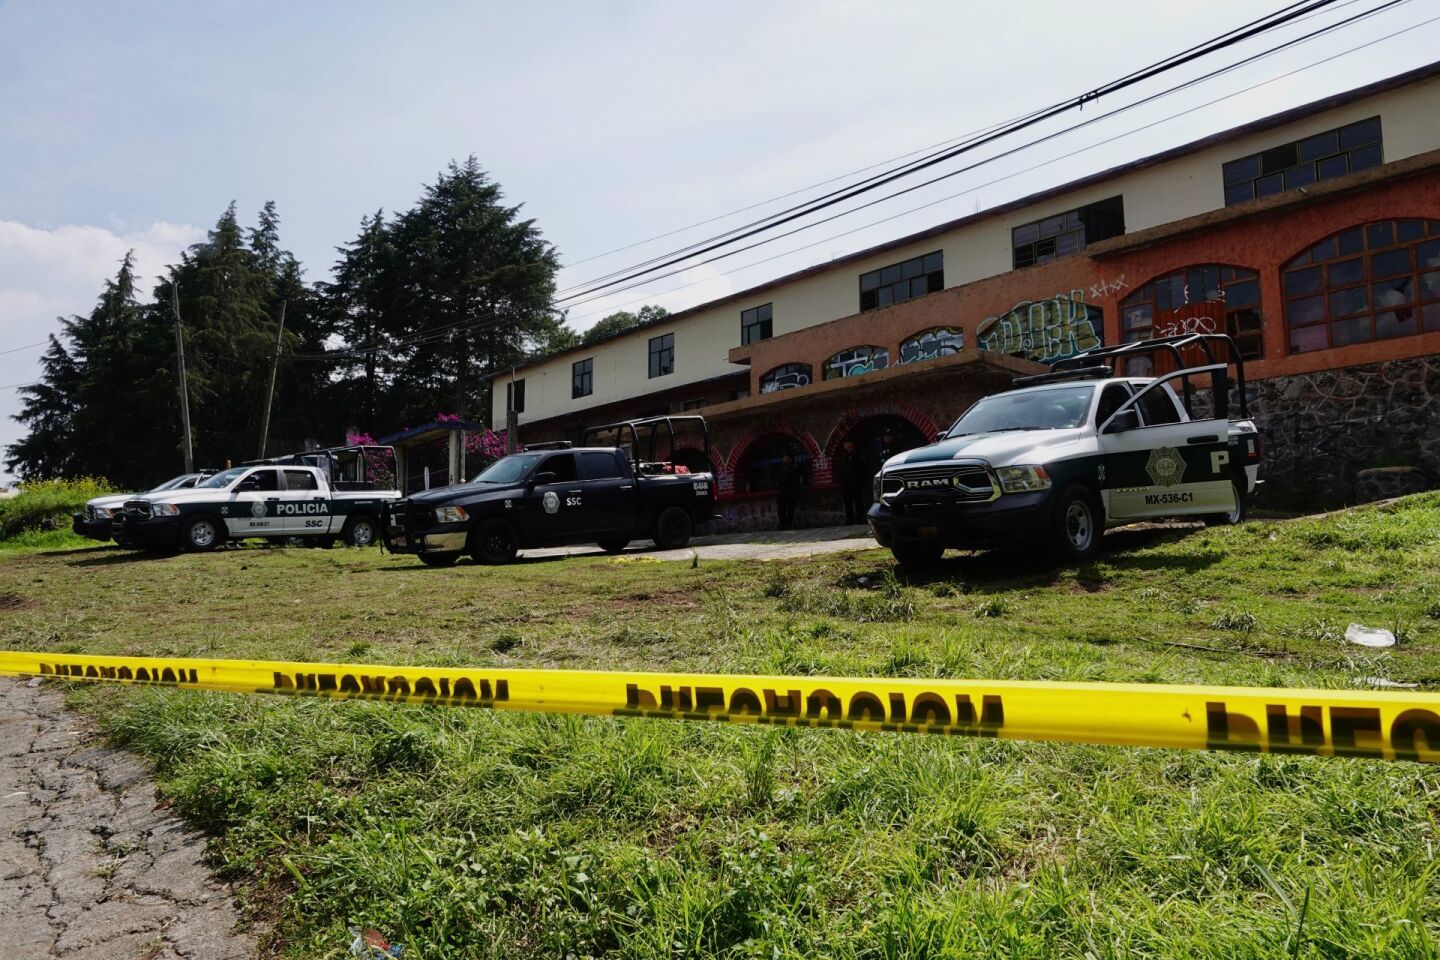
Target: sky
132,126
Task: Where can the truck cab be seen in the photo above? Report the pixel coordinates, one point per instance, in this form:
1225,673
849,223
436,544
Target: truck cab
1111,436
276,500
622,484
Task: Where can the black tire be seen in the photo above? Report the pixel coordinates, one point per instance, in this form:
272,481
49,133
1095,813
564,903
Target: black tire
614,546
494,542
918,554
1235,516
1078,525
673,528
361,531
202,534
439,559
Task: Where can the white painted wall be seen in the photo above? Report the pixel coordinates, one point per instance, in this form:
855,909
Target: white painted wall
1164,193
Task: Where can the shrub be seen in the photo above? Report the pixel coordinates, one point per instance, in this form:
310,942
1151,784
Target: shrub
48,504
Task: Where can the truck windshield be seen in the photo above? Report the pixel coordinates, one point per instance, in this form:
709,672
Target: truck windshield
508,469
175,483
222,479
1050,409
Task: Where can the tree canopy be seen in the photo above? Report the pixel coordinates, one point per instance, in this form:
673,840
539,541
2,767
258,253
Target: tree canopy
422,306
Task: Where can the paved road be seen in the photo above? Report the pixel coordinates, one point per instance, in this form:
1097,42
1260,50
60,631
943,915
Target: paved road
761,545
89,869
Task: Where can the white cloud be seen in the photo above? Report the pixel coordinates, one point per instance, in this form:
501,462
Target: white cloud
46,273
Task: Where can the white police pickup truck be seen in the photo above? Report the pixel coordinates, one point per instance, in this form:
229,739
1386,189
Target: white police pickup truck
1070,453
278,500
96,521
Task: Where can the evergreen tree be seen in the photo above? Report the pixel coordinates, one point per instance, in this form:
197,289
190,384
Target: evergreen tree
48,410
361,308
474,294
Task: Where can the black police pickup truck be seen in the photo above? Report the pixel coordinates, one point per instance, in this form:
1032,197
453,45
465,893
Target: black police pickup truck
626,482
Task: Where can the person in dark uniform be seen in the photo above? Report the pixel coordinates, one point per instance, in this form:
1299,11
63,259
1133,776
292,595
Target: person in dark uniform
787,492
889,446
850,475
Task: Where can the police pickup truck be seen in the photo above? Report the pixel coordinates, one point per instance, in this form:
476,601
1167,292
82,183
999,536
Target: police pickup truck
311,497
1067,454
97,520
625,483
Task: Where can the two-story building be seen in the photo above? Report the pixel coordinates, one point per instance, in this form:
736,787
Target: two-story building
1311,236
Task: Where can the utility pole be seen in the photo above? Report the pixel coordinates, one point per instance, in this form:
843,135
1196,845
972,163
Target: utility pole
184,391
270,394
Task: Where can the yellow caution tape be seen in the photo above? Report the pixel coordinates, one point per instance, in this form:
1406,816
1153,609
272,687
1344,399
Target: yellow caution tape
1397,725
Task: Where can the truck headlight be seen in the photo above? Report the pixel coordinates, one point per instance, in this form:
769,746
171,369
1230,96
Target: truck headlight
451,515
1023,479
876,487
164,510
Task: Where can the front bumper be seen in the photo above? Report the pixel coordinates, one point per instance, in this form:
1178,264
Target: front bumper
147,531
401,536
1008,520
93,529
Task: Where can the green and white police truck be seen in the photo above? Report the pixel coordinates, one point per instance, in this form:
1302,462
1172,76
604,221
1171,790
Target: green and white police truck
313,497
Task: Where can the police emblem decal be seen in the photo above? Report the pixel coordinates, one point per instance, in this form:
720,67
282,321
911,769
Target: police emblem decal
1100,473
1166,467
551,502
509,504
257,509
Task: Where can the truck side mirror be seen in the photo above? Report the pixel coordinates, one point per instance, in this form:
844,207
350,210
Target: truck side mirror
543,477
1122,421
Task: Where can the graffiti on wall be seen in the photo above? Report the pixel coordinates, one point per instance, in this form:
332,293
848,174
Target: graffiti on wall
1044,330
787,377
855,361
929,344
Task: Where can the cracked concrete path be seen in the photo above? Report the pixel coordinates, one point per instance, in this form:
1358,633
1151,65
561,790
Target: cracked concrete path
89,868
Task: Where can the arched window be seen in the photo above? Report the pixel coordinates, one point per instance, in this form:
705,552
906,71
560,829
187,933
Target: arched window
1372,282
786,377
932,343
1209,298
855,361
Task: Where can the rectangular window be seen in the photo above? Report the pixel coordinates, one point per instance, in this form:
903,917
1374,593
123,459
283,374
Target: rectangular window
582,378
755,324
1066,233
1290,166
515,396
902,281
662,355
300,480
600,466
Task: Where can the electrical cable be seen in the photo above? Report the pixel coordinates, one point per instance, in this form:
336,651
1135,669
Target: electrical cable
1226,40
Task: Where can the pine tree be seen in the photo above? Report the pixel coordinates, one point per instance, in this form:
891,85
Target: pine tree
48,410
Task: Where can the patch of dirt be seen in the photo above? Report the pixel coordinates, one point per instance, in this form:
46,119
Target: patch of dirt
13,601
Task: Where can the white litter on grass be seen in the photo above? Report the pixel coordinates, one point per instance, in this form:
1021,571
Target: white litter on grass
1369,636
1385,684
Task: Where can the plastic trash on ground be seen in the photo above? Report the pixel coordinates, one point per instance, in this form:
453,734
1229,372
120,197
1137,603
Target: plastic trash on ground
371,944
1369,636
1383,683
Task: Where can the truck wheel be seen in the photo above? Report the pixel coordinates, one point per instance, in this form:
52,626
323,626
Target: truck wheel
1236,514
673,528
201,534
917,554
360,531
1077,526
614,546
439,559
494,542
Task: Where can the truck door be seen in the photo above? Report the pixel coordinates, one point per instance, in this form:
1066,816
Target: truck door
554,505
304,507
1158,464
251,511
610,502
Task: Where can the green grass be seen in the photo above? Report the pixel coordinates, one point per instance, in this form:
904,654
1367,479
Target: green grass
478,834
45,506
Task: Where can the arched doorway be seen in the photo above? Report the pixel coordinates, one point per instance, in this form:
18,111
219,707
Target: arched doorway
758,469
869,436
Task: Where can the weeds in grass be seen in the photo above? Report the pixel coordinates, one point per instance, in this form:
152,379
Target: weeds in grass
1242,622
994,607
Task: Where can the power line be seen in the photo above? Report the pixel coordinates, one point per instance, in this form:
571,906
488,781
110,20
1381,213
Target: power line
1228,39
642,279
28,346
476,325
1029,169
